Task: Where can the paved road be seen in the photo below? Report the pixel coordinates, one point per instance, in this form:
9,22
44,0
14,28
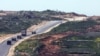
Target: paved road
4,48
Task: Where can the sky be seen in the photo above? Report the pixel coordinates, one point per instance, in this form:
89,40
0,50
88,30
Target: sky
88,7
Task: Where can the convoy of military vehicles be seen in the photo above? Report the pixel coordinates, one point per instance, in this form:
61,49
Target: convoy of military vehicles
23,34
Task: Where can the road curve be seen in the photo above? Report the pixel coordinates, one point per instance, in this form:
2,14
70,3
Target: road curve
4,48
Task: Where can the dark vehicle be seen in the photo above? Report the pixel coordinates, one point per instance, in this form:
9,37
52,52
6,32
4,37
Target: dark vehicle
34,32
9,42
14,39
23,32
19,37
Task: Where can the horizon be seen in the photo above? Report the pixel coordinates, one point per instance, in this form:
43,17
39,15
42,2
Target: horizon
88,7
45,10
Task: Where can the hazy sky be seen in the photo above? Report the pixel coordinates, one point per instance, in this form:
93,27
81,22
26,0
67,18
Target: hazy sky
89,7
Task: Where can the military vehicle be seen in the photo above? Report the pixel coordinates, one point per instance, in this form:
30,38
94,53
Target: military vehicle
9,42
14,39
34,32
19,37
23,32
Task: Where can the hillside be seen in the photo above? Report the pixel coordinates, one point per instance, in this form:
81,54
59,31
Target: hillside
15,21
70,38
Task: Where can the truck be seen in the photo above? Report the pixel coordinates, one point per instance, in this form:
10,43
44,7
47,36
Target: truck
23,32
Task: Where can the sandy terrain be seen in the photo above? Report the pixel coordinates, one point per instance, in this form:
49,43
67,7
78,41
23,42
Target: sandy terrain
76,19
11,51
34,27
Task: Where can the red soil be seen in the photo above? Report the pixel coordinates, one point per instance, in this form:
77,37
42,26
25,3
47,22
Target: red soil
53,50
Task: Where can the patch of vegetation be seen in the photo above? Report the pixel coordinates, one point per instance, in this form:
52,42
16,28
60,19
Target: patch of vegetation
13,23
74,26
27,47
